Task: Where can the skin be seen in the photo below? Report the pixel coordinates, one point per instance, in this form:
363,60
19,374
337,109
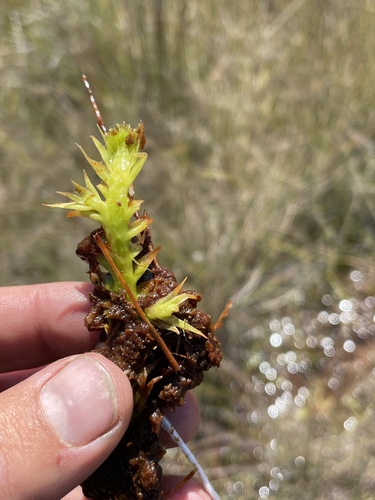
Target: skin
42,334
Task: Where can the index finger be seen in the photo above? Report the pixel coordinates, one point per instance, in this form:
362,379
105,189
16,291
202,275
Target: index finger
42,323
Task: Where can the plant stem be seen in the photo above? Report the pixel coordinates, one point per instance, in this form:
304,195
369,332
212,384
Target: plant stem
167,426
155,333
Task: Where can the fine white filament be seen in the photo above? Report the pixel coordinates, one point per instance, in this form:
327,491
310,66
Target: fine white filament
167,426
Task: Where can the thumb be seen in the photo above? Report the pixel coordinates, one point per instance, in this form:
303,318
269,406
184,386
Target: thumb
60,424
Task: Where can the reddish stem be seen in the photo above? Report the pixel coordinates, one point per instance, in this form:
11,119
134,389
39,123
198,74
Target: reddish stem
157,337
98,115
224,313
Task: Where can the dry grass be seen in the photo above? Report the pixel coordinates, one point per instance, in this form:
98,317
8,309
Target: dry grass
261,134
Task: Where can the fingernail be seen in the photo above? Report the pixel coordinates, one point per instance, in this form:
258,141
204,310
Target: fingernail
80,402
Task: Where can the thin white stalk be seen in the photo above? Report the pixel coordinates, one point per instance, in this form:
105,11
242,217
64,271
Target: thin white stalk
167,426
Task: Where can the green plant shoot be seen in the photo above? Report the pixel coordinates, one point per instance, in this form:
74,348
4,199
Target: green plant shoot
112,205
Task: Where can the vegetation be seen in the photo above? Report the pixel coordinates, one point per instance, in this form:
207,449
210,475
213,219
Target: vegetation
148,326
260,123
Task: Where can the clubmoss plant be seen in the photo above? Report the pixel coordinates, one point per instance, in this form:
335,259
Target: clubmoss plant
149,325
111,204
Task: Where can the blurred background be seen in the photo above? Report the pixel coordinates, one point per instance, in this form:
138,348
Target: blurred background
260,125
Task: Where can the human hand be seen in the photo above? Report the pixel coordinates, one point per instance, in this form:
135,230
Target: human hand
60,422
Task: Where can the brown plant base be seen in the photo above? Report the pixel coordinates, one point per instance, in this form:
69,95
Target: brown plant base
133,471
